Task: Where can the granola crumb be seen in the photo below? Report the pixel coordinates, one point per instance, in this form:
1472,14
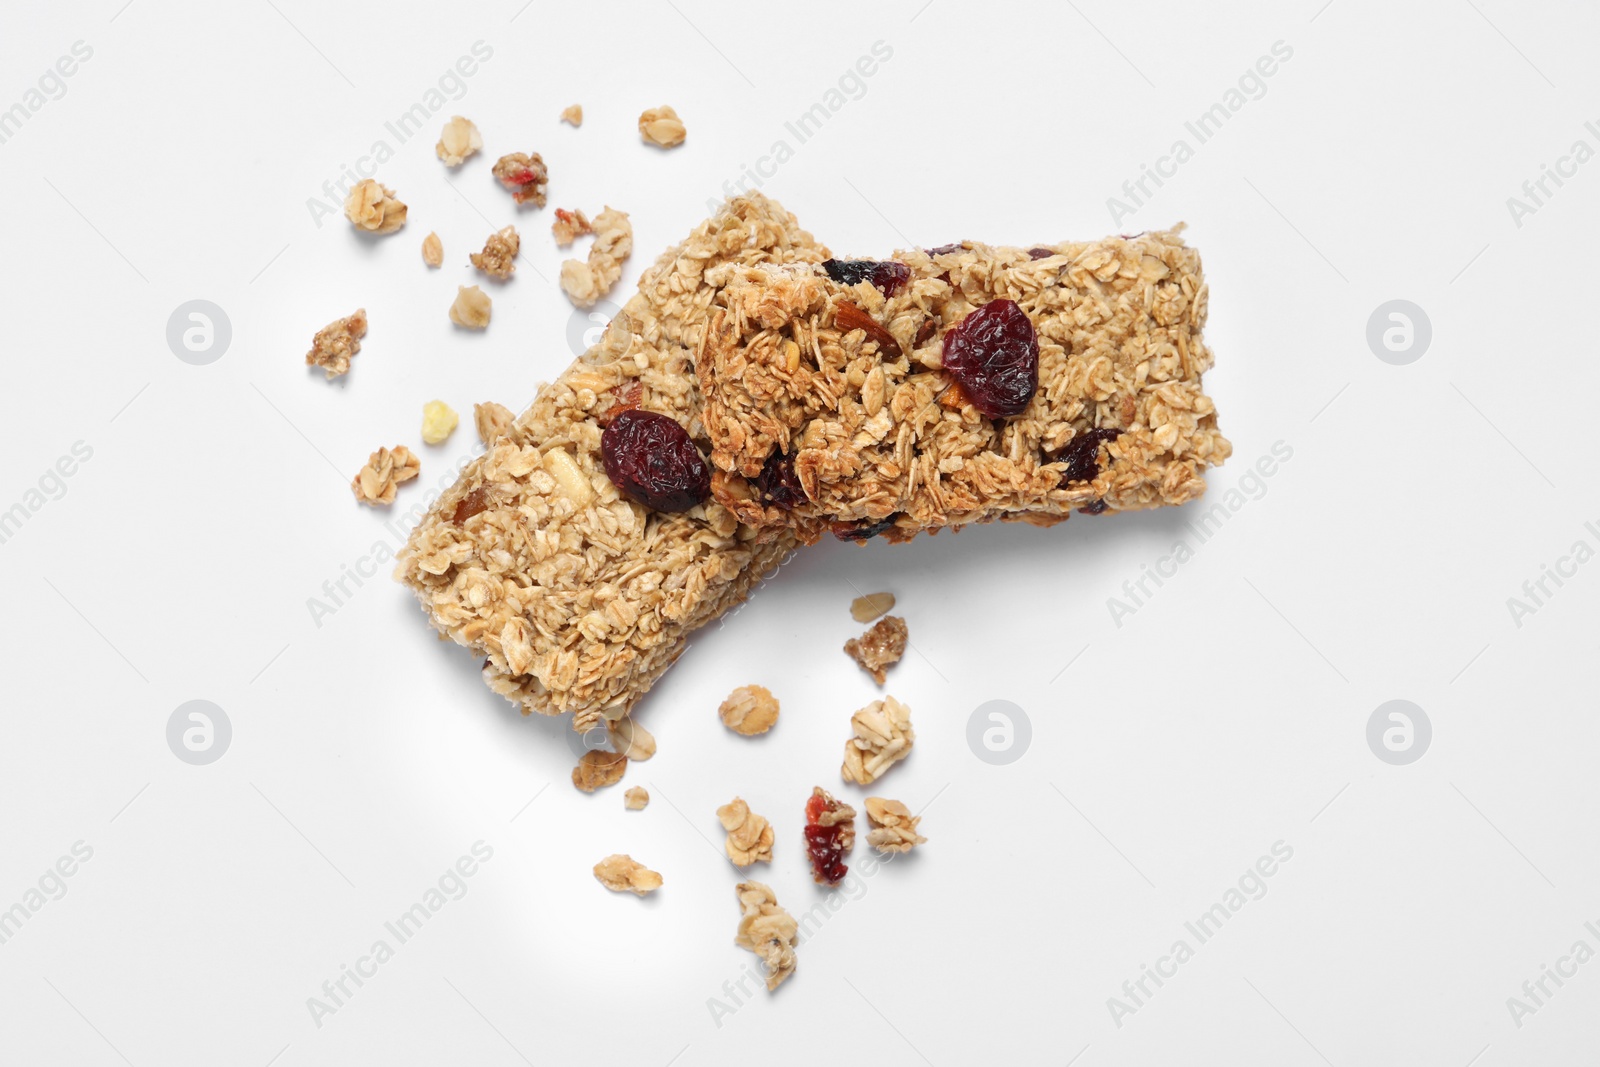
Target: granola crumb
386,468
869,607
374,207
525,175
624,874
749,835
573,115
472,307
438,422
661,126
767,930
880,647
432,250
492,420
883,737
569,226
894,827
336,343
499,256
585,282
627,736
598,769
636,798
459,139
749,710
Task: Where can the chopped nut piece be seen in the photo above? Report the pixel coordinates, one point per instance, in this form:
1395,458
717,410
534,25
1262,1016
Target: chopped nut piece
624,874
597,769
569,226
869,607
661,126
471,308
370,206
830,834
385,470
525,175
492,420
499,256
880,647
749,835
432,250
894,827
631,739
573,114
459,139
560,465
767,930
749,710
438,421
636,798
883,737
586,282
335,344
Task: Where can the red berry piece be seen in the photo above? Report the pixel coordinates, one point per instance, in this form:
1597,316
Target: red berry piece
888,275
651,459
993,354
830,833
778,484
1082,456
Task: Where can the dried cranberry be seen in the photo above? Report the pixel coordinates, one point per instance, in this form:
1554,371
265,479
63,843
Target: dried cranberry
887,275
847,317
993,354
651,459
860,531
1041,253
1082,456
470,505
778,484
827,841
943,250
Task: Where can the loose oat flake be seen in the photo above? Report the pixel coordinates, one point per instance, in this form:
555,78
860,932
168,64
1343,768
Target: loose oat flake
894,828
499,256
573,114
869,607
661,126
386,468
631,739
598,769
883,737
624,874
767,930
438,422
373,207
459,139
749,710
749,835
432,250
336,343
636,798
471,308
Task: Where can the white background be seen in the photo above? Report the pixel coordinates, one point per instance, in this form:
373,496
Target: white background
1168,753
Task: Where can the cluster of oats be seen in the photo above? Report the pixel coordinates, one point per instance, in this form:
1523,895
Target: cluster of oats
373,207
624,874
894,828
569,226
586,281
492,420
767,930
386,468
573,115
499,256
459,139
525,175
848,383
636,798
337,343
881,647
662,127
471,307
749,710
597,769
883,737
432,250
749,835
438,422
869,607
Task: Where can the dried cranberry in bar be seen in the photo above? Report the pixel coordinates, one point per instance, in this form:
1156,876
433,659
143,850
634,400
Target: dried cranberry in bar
887,274
650,458
778,484
1082,456
993,354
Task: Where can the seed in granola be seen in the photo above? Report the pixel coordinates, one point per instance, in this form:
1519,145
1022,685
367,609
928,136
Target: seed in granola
470,505
438,422
573,114
525,175
1041,253
749,710
335,344
881,737
993,354
492,420
894,828
598,768
624,874
1093,507
459,139
830,834
560,465
499,256
432,250
471,308
847,317
880,647
888,275
869,607
1081,457
661,126
778,484
386,468
860,532
929,327
767,930
650,457
749,835
374,207
569,226
636,798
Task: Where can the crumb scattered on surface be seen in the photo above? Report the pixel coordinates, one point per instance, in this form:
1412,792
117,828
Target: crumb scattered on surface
336,343
749,835
598,769
629,738
374,207
585,282
385,470
883,737
880,647
472,307
438,422
573,114
636,798
432,250
869,607
569,226
459,139
492,420
624,874
525,175
661,126
749,710
499,256
894,828
767,930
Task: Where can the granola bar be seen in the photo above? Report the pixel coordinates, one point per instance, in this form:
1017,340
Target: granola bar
578,598
833,395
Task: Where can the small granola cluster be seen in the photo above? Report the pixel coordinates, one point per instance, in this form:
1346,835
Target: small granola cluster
883,737
585,282
598,769
880,647
499,256
525,175
624,874
569,226
749,835
830,834
662,127
573,115
749,710
894,828
373,207
335,344
767,930
636,798
386,468
471,307
459,139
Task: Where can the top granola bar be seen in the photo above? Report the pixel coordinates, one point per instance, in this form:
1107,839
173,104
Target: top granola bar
829,401
578,597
